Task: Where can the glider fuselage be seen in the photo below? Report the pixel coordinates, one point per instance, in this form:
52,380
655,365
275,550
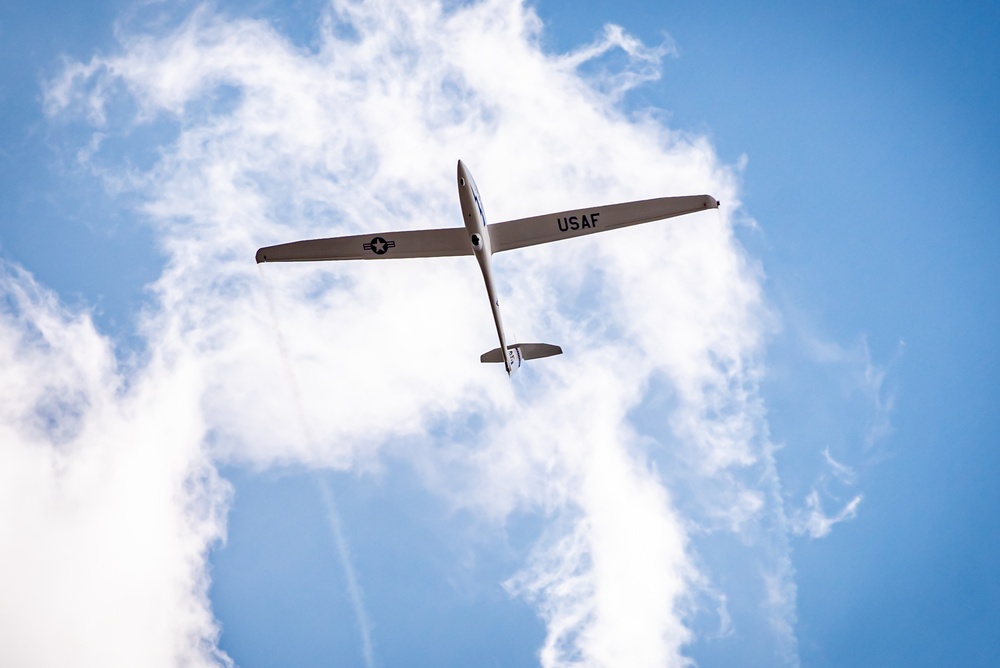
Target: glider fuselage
475,223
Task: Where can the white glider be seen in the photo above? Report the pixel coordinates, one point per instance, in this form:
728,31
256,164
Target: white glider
482,240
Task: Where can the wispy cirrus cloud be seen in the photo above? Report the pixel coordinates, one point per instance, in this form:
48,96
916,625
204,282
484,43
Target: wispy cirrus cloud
816,523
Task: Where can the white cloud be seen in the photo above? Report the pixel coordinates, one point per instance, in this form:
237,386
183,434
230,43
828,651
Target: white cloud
107,502
816,523
326,365
842,472
643,66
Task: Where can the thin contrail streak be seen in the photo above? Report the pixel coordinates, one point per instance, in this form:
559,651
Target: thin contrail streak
353,587
326,493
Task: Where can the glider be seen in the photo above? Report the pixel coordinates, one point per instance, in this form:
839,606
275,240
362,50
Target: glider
482,240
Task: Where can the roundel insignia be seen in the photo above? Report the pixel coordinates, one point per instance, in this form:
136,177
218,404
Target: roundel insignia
379,246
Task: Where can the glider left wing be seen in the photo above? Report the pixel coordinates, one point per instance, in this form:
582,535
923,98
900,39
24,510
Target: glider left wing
566,224
387,245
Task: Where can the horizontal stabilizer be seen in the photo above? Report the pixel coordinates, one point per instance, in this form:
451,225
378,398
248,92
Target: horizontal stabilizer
526,351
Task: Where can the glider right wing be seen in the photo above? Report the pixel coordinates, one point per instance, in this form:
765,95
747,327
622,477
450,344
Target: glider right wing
566,224
385,246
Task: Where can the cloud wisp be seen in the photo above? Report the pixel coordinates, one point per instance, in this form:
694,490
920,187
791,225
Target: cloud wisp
647,436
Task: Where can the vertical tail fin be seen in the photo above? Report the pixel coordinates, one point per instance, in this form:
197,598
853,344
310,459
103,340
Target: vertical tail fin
514,359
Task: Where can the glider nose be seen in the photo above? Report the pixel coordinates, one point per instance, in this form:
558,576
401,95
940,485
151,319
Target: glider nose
463,174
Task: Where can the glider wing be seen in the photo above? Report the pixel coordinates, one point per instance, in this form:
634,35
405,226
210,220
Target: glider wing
384,246
566,224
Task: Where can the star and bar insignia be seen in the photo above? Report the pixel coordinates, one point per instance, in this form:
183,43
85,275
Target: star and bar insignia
379,246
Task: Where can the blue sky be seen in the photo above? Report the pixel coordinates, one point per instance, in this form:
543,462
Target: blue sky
771,440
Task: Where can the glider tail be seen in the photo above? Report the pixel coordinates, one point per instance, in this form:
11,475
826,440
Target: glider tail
520,352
